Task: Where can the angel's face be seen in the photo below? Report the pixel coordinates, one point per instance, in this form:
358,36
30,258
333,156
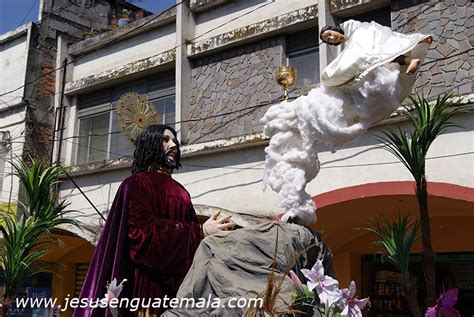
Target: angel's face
332,37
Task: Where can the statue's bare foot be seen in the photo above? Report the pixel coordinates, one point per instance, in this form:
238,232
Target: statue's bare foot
413,66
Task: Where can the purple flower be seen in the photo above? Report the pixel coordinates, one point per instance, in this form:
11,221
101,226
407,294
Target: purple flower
445,304
326,287
353,306
113,291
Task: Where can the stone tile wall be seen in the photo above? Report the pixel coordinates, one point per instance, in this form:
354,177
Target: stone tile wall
449,63
230,81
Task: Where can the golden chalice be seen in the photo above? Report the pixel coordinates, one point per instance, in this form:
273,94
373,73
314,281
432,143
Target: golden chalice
285,77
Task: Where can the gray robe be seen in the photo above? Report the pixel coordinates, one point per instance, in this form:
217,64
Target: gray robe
237,264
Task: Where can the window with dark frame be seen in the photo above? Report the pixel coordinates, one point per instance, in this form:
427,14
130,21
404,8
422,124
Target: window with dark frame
99,136
302,52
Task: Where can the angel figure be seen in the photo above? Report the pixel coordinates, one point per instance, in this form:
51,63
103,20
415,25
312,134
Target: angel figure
368,45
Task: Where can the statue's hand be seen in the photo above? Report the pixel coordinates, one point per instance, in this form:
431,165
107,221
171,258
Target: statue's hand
214,225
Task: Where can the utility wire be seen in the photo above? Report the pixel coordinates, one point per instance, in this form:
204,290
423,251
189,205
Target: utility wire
259,168
54,12
189,120
80,57
195,119
133,30
85,196
214,116
28,13
142,25
48,15
447,57
68,139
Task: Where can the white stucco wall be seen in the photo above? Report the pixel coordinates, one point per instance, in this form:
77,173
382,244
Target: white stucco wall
123,52
238,14
233,181
13,122
450,160
69,145
237,184
13,57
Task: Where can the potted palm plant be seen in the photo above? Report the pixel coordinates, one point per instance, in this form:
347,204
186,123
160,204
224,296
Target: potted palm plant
25,238
396,239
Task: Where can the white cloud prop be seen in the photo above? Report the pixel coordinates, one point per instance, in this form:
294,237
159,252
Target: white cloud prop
331,115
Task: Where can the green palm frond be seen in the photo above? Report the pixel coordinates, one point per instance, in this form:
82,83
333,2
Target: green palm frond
396,239
37,181
428,122
405,148
25,240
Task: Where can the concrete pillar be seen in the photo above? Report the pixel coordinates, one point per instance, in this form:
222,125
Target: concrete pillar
326,52
61,55
185,31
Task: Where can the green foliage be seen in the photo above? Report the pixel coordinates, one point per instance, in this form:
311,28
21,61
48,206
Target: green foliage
396,239
305,296
25,239
428,123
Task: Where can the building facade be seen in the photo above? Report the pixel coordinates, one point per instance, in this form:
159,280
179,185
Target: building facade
208,66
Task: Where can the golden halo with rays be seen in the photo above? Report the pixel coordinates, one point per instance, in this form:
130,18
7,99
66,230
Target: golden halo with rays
135,113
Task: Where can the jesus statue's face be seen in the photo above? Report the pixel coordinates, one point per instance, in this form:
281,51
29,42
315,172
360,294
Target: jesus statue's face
170,145
332,37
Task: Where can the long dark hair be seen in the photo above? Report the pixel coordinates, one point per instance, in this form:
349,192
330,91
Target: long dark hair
149,148
330,28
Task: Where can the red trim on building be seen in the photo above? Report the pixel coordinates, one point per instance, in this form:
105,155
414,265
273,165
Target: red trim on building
392,188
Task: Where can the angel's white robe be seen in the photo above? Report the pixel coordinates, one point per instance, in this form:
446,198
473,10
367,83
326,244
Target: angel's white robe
369,45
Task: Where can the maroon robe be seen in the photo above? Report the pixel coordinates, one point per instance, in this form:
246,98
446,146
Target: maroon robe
163,235
149,238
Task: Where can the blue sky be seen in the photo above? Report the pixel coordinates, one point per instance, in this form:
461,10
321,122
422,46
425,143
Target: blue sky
14,13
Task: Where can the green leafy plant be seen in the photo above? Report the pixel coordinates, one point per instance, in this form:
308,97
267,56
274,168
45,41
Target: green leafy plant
428,121
25,239
396,239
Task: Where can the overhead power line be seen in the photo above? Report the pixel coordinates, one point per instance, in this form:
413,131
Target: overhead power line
55,12
323,165
80,57
133,30
28,13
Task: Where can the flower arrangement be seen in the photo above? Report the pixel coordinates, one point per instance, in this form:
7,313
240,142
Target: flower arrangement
331,300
